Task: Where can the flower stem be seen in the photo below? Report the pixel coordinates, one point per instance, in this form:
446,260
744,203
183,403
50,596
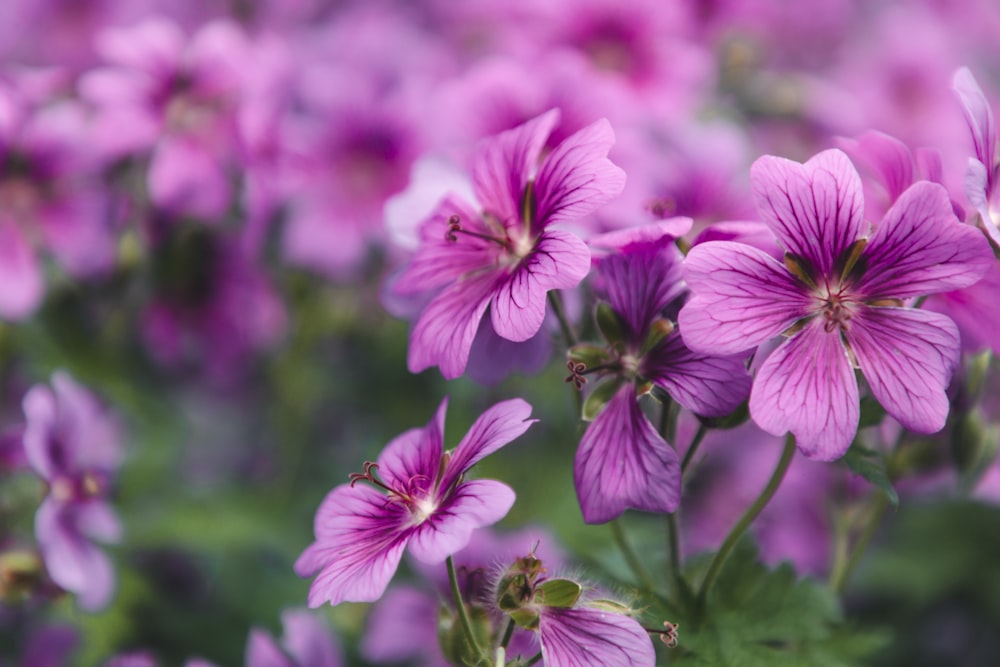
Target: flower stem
842,572
557,307
463,616
693,447
535,658
507,633
630,556
674,544
748,518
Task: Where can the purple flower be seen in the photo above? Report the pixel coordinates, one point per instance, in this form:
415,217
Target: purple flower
506,254
838,300
418,498
75,446
982,185
622,461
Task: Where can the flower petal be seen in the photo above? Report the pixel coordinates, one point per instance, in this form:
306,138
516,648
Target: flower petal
360,537
706,385
582,637
559,260
496,427
908,357
577,177
807,386
22,285
413,459
921,248
73,561
974,310
741,298
623,463
400,627
263,651
978,115
308,640
815,209
503,165
444,332
481,502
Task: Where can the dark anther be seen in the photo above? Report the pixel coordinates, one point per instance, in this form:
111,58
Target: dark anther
454,225
576,371
667,636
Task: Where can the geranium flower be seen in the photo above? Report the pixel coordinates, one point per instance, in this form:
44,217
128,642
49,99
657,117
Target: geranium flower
418,498
506,253
75,446
838,300
623,461
982,185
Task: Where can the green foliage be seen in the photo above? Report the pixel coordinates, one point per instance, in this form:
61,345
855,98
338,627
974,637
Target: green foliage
867,463
757,616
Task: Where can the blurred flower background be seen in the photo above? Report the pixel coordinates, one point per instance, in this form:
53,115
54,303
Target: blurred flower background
205,206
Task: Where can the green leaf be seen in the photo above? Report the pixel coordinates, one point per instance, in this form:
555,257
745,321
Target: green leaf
735,418
872,412
756,616
867,463
559,593
599,398
589,355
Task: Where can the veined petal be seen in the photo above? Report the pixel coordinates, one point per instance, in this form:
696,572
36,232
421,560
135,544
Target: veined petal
706,385
496,427
815,209
978,115
921,248
413,458
887,157
623,463
503,165
559,260
577,177
444,332
440,261
481,502
908,357
360,537
584,637
807,386
742,297
639,283
974,310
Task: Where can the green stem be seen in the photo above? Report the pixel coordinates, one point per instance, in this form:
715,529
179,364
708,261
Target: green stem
630,557
841,575
507,633
674,544
534,659
748,518
463,616
557,307
693,447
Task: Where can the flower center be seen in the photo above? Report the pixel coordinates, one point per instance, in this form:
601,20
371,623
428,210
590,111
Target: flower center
412,494
837,310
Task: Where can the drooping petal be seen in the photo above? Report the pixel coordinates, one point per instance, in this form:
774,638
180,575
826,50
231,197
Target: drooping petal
399,627
577,177
978,115
559,260
584,637
263,651
741,297
815,209
908,357
706,385
444,332
639,283
72,560
360,537
413,459
623,463
807,386
308,640
496,427
440,261
503,165
472,505
921,248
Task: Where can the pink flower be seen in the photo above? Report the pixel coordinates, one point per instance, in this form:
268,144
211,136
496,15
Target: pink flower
506,253
837,300
418,498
